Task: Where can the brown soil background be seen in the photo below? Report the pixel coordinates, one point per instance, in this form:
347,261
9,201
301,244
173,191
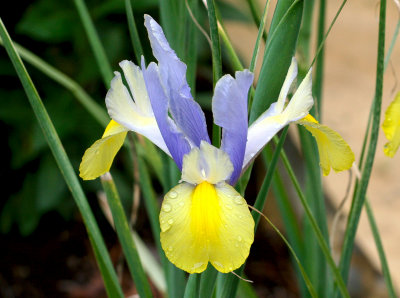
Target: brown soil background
348,90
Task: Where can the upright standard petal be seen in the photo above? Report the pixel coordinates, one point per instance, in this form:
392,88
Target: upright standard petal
273,120
206,163
391,127
204,224
124,110
98,158
229,106
177,145
291,75
333,150
186,112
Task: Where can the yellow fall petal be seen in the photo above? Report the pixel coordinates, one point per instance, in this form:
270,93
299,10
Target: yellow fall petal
333,150
206,223
391,127
98,158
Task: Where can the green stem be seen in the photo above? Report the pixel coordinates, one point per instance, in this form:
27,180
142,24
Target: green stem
106,268
381,251
125,236
87,102
94,41
136,43
359,198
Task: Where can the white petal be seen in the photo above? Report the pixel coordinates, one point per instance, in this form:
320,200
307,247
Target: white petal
123,110
291,75
134,77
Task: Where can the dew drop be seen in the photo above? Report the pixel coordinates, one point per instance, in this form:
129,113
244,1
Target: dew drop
238,200
170,248
166,207
228,207
165,227
181,204
173,194
170,221
239,238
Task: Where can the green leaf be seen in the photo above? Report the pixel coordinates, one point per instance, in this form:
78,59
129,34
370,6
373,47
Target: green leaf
106,268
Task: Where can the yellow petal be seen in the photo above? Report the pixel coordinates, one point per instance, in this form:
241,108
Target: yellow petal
333,150
391,127
98,158
206,223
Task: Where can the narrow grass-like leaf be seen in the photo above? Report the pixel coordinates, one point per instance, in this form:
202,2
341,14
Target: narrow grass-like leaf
125,236
256,18
381,252
262,194
108,273
136,43
94,41
207,282
359,198
192,286
87,102
303,272
277,56
321,240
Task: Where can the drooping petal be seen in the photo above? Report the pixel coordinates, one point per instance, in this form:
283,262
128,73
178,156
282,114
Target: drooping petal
391,127
229,106
271,121
206,224
186,112
124,110
333,150
175,141
206,163
98,158
291,75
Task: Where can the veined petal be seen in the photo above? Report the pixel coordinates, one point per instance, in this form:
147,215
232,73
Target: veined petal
291,75
391,127
98,158
124,110
301,102
186,112
134,78
175,141
206,224
206,163
229,106
272,120
333,150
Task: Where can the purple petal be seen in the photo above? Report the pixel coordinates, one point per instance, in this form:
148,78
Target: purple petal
229,107
186,112
177,145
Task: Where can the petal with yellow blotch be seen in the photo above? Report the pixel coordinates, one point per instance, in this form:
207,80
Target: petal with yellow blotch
206,223
333,150
98,158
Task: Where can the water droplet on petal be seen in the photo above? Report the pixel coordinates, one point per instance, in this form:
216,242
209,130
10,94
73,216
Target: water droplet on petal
173,194
165,227
170,248
170,221
228,206
239,238
181,204
238,200
166,207
230,269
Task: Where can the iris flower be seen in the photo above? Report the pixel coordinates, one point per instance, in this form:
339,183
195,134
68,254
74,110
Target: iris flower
203,219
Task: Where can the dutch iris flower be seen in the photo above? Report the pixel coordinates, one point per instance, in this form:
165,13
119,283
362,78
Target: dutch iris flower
203,219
